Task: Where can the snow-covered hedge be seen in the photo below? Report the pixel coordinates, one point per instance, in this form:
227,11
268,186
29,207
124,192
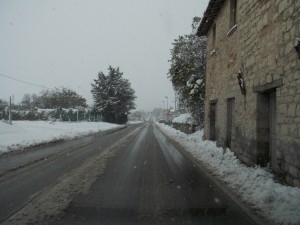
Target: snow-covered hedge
184,123
184,119
59,114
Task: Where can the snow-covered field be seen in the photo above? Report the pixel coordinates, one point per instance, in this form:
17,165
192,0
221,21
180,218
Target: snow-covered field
28,133
255,186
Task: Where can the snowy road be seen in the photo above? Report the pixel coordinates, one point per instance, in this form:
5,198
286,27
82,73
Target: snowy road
25,173
133,176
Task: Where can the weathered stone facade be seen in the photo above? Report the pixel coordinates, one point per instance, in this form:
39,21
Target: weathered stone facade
261,126
185,128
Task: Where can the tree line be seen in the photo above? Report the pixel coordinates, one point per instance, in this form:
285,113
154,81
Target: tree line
112,94
51,99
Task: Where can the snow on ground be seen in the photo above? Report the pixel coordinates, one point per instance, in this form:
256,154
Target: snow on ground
255,186
135,122
28,133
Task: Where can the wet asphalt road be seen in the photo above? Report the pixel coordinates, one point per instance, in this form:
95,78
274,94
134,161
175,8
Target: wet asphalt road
150,182
22,174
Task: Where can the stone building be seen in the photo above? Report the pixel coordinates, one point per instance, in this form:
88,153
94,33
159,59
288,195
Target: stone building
252,100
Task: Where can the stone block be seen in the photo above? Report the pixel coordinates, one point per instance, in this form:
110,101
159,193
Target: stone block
265,20
289,99
280,119
292,91
293,171
296,182
298,110
288,48
292,31
297,96
278,154
288,158
269,79
289,24
282,108
297,159
282,6
292,110
289,179
275,16
284,130
287,37
297,77
293,130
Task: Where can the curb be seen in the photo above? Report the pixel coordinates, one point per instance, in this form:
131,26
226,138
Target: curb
258,219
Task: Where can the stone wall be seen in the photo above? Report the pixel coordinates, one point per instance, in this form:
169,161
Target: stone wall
261,48
185,128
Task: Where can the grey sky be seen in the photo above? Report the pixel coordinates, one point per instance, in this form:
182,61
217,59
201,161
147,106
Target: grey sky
66,43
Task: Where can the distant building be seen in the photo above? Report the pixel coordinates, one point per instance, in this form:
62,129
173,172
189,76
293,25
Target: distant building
252,100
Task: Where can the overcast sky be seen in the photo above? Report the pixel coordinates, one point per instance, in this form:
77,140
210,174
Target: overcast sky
67,42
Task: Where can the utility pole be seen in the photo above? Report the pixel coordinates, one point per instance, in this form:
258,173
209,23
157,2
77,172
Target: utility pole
77,115
9,111
167,101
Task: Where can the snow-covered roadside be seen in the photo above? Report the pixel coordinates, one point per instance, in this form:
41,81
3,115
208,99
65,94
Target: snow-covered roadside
184,119
255,186
29,133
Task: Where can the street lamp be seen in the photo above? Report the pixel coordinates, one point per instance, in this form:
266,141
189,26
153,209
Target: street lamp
167,101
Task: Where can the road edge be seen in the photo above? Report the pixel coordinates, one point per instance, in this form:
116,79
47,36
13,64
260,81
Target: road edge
50,201
22,149
257,218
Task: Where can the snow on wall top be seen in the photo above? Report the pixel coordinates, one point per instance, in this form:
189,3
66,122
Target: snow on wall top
184,119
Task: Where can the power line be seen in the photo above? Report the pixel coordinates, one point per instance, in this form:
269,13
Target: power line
40,86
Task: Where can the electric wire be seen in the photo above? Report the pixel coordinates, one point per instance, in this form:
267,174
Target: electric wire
21,81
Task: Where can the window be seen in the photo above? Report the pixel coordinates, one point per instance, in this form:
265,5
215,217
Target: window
233,8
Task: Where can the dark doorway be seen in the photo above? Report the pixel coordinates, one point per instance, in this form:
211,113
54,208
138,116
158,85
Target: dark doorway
266,128
230,111
212,120
272,149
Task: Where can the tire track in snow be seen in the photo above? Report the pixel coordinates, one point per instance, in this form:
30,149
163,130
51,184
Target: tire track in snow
52,200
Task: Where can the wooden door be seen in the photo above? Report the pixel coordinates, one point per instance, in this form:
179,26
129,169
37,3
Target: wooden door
272,147
212,121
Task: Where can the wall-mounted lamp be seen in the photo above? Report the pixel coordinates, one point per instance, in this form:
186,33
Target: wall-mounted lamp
241,83
297,46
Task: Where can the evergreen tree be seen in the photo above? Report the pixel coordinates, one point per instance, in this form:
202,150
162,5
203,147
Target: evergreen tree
113,96
3,109
187,72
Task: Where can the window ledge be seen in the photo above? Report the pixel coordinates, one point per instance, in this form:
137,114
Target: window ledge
232,30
